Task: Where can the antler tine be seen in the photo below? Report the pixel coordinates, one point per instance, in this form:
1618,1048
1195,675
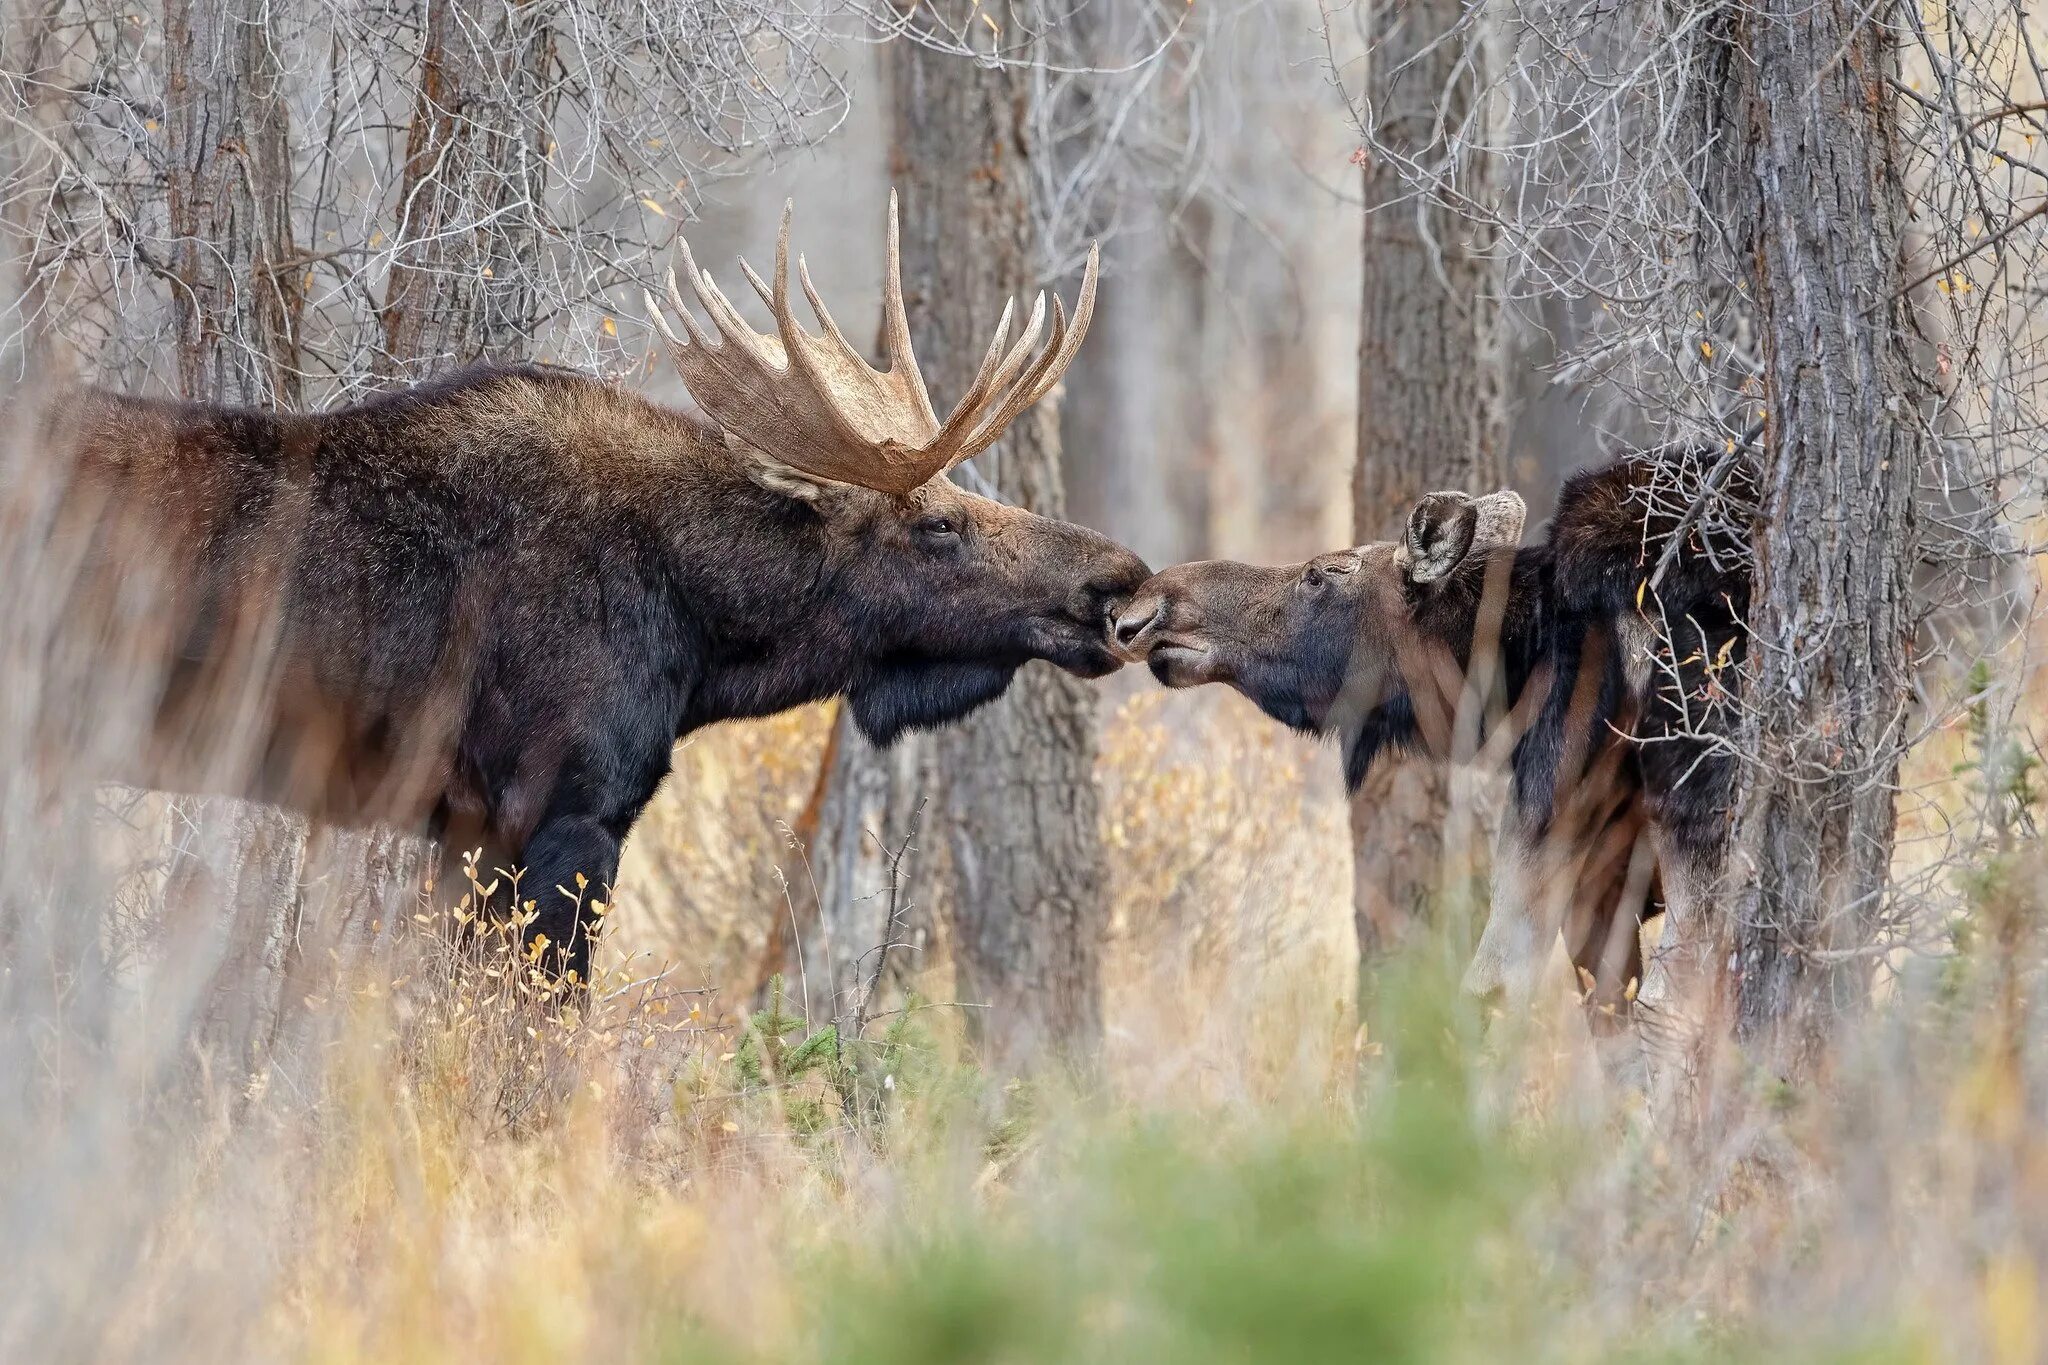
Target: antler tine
731,326
969,413
968,409
895,323
1026,343
1084,313
760,287
675,301
824,314
661,323
810,400
1047,370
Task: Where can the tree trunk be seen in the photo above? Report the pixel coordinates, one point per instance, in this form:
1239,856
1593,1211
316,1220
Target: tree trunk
229,201
462,286
1025,902
237,305
1821,209
847,868
1430,392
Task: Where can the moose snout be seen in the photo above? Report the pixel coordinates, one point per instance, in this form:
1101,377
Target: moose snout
1110,588
1137,619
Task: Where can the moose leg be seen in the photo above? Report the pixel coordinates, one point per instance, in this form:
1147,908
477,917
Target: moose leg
1603,932
468,846
1520,917
571,863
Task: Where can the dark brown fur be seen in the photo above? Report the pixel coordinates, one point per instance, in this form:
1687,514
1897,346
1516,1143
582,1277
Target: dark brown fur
487,608
1576,661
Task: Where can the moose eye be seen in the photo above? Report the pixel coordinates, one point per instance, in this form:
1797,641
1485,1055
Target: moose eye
1319,572
937,527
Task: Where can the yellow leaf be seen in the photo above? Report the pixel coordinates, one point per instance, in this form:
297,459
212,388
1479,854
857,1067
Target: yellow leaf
611,328
654,208
1641,588
1707,349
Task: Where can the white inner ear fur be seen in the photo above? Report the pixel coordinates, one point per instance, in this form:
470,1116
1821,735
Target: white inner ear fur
1496,525
1434,547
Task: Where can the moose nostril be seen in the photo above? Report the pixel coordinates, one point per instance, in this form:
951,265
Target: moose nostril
1133,624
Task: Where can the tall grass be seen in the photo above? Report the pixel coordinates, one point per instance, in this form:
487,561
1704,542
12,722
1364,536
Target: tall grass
355,1131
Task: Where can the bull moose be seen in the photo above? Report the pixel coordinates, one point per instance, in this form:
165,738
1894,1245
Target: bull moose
1600,664
488,607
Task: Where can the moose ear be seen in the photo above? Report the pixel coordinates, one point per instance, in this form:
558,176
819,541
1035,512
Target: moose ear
1446,528
790,482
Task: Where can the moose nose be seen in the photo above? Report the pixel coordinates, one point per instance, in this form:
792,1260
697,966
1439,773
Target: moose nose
1137,618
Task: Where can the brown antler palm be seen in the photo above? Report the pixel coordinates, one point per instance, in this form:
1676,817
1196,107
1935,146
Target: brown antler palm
814,403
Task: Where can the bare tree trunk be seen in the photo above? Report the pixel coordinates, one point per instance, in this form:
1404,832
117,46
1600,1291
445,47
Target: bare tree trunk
469,202
1821,211
229,197
237,302
1027,913
1430,392
837,875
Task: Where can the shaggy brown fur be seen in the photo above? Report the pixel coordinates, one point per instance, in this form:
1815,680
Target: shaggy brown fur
487,608
1352,644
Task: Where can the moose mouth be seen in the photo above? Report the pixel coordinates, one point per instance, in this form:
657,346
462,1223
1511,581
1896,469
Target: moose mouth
1176,664
1081,648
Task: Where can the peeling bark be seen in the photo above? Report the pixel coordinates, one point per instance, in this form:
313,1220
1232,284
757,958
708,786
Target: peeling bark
1820,209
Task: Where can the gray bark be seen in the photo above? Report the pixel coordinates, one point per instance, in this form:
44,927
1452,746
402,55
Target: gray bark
237,298
237,295
469,228
1025,904
1431,395
1822,211
829,935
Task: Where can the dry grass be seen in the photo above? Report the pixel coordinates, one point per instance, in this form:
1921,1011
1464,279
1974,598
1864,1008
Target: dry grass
381,1141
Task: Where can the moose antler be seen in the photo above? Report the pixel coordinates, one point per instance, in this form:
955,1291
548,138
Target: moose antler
814,403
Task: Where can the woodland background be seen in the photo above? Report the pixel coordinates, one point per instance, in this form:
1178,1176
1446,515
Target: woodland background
1352,252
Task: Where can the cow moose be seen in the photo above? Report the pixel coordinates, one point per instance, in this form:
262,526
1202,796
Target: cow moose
1599,668
487,608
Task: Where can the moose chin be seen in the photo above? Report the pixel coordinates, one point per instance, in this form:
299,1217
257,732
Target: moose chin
1606,690
488,608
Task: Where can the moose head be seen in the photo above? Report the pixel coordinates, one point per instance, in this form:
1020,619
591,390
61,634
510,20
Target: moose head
948,591
1368,643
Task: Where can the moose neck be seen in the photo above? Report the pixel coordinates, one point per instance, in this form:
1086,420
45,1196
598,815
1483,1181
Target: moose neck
1447,619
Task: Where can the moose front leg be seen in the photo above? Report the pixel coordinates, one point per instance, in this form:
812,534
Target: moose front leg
570,865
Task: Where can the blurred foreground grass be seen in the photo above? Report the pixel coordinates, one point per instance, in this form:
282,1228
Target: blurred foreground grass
429,1165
